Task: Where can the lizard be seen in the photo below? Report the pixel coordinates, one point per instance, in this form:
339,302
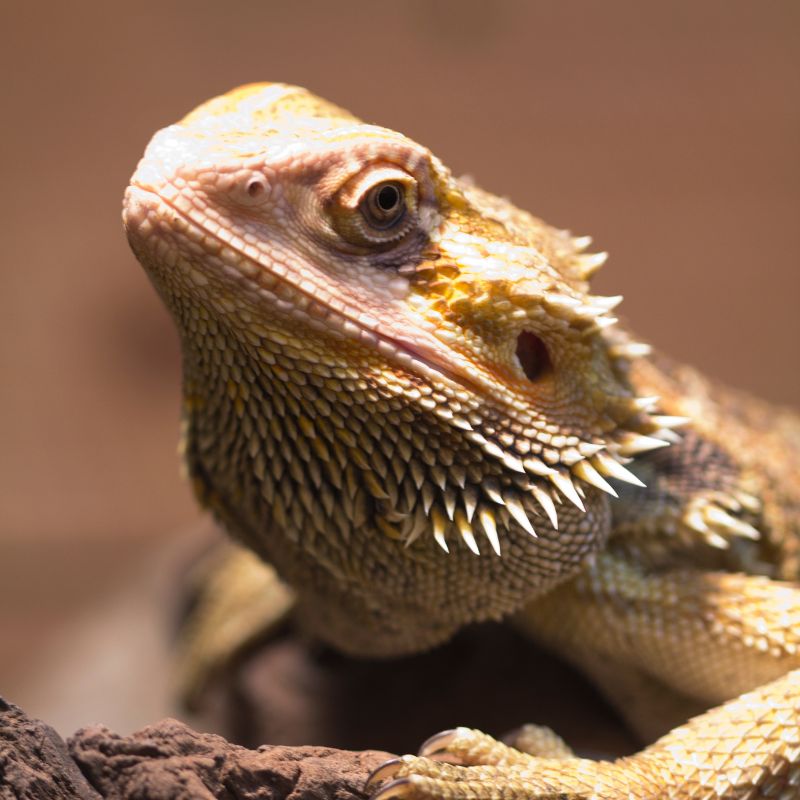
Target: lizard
402,398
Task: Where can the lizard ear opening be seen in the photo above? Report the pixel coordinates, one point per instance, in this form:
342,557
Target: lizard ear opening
532,355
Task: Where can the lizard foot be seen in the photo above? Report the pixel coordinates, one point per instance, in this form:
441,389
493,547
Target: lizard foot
485,768
471,747
419,778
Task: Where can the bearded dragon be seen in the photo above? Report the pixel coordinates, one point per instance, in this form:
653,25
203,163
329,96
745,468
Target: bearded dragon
400,393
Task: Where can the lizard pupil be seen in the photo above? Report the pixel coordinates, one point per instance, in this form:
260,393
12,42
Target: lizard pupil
388,198
384,205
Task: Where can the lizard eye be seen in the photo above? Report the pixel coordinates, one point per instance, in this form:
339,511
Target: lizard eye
384,205
376,208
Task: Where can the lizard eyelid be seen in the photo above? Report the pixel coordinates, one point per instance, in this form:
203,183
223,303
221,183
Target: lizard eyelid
376,208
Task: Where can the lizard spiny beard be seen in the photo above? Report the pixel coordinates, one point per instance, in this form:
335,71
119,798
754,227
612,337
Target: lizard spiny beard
335,476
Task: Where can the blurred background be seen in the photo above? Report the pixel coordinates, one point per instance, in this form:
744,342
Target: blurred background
669,131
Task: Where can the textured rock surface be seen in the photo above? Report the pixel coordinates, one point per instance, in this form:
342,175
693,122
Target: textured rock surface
170,761
167,761
34,762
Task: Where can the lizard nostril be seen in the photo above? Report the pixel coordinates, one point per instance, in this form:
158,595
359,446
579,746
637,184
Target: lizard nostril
255,188
532,355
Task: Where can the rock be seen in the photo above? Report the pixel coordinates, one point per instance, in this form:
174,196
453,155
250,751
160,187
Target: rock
34,762
170,761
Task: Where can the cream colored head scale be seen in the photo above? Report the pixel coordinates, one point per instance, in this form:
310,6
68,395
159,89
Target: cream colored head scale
398,389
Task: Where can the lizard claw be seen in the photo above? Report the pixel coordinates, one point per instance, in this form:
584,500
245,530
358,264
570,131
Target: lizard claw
399,788
438,742
386,770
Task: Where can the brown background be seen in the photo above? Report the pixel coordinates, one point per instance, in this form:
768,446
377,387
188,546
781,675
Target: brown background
669,131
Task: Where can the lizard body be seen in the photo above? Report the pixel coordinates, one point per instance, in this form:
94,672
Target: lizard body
401,393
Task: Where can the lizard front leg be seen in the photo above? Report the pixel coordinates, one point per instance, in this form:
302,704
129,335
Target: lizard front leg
240,599
702,636
747,748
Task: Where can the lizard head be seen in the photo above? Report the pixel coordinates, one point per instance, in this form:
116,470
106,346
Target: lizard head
382,363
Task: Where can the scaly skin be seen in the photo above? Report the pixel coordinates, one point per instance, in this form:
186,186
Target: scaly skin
399,392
